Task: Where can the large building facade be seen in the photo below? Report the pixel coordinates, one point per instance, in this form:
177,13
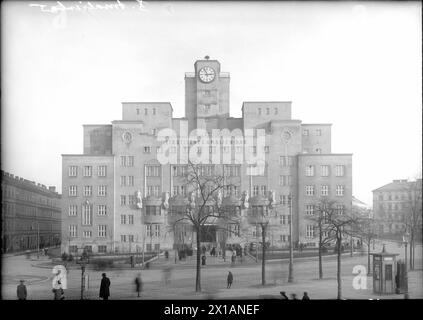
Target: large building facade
115,193
31,214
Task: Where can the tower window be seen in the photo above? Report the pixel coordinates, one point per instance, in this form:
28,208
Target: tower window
138,111
145,111
267,111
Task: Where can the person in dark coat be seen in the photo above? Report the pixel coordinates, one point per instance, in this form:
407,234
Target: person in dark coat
104,287
230,279
203,260
21,291
284,296
294,296
138,284
305,296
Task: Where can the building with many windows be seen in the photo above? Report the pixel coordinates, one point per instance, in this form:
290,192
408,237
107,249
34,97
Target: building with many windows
31,214
115,194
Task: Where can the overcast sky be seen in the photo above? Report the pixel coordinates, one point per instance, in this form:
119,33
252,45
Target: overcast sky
356,65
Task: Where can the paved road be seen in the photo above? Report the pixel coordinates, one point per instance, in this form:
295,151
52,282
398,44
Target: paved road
247,280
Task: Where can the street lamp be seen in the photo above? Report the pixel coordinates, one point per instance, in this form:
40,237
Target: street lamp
406,239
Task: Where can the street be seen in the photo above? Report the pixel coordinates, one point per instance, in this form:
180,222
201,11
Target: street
247,279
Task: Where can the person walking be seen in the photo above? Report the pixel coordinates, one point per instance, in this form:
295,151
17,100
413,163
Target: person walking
305,296
21,291
105,287
230,280
203,260
138,284
233,257
284,296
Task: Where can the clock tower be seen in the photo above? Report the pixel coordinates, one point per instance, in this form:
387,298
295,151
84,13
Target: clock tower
206,93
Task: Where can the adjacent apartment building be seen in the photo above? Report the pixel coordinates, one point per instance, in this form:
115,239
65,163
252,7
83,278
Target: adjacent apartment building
31,214
115,194
394,202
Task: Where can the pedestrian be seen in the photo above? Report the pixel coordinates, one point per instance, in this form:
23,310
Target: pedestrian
105,287
167,255
21,291
233,257
284,296
203,260
293,296
305,296
138,284
59,293
230,279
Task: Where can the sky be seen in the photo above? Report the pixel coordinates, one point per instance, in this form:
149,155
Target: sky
356,65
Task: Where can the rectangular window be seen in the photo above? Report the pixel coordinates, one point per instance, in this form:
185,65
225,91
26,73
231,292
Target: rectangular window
73,231
122,238
310,231
263,190
73,171
267,111
318,132
147,149
102,210
87,234
283,219
340,190
102,171
88,190
123,200
310,190
153,191
154,111
102,249
339,170
146,111
286,161
130,161
73,210
131,238
309,209
73,191
310,171
266,149
340,209
324,190
122,219
123,161
123,181
324,171
153,171
130,181
102,191
149,230
157,230
276,111
88,171
131,199
255,190
175,190
285,180
131,219
259,111
87,215
305,132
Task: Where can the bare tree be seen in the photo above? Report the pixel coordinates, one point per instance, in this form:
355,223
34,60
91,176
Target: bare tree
367,231
339,224
321,228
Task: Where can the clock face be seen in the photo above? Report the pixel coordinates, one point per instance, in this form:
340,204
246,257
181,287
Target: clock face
127,137
206,74
286,136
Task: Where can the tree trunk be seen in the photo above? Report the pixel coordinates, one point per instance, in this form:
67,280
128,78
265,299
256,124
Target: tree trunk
368,257
320,256
411,252
198,273
263,259
338,273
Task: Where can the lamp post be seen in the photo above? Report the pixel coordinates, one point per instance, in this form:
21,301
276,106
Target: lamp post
406,239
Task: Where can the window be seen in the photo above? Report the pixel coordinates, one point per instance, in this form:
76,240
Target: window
310,231
206,108
340,209
259,111
146,111
87,234
102,248
72,191
122,219
179,171
283,219
310,190
130,181
154,111
87,218
285,180
286,161
130,161
324,171
123,161
309,209
175,190
255,190
153,191
138,111
88,190
131,200
102,191
123,181
305,132
157,230
267,111
122,238
318,132
88,171
152,210
324,191
309,171
266,149
153,171
131,219
232,171
340,190
73,210
276,111
131,238
123,200
339,170
73,231
102,171
102,211
73,171
263,190
147,149
149,230
73,249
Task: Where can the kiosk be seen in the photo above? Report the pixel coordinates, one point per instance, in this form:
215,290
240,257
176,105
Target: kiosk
384,271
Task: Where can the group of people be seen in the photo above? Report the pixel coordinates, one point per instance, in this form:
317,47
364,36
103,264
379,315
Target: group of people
294,296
